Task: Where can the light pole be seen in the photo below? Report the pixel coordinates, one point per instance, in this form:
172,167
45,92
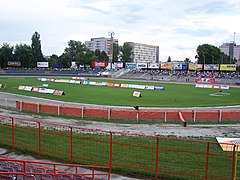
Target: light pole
204,59
111,34
212,59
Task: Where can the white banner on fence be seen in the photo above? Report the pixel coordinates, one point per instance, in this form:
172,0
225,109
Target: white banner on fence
211,86
227,144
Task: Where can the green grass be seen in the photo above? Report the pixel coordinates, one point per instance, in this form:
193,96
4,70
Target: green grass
174,95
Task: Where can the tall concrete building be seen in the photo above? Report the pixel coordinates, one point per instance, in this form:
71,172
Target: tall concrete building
144,53
101,43
231,49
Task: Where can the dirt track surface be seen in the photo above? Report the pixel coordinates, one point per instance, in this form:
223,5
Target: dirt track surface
193,130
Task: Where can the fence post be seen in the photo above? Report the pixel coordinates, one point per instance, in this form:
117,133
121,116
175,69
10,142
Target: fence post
207,157
165,116
39,139
194,115
38,107
83,112
220,115
71,148
156,169
109,113
236,148
110,155
12,133
137,115
6,103
21,105
58,109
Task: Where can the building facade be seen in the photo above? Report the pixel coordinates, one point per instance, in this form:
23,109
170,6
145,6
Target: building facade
101,43
142,53
232,50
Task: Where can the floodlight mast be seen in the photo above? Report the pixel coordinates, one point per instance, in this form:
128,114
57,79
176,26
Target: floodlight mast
111,34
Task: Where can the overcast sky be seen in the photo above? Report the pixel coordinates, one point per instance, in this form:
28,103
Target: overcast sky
176,26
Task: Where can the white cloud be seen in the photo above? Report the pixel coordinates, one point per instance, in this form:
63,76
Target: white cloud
177,27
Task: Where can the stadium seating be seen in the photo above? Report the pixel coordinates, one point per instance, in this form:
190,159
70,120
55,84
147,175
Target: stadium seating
12,170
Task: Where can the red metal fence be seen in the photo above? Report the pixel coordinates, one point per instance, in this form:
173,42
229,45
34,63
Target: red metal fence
169,115
144,156
29,169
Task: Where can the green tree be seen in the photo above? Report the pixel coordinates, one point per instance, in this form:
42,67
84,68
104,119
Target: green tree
65,60
187,61
169,59
74,48
36,49
23,53
86,58
6,54
115,52
104,56
98,54
126,53
208,54
54,59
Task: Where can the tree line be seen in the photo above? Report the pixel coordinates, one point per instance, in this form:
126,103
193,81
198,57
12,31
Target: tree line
76,51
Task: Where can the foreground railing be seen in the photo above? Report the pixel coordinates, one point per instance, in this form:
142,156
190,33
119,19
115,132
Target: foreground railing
138,155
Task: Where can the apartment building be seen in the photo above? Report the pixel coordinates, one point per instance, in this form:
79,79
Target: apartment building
231,49
144,53
101,43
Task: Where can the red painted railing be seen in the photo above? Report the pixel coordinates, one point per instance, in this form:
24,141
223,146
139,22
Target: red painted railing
151,156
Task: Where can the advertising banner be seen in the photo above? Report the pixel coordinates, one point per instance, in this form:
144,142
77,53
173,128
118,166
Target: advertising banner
158,88
136,94
228,144
116,85
124,85
195,67
72,81
46,91
211,86
92,83
21,87
77,82
35,89
110,84
184,66
58,93
136,86
149,87
99,64
42,64
228,67
131,65
177,66
28,88
167,66
141,65
153,65
14,63
211,67
207,80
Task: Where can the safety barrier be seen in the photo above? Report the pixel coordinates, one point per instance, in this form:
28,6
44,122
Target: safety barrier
166,115
29,169
150,156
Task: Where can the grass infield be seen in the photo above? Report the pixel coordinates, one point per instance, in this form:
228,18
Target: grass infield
174,95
